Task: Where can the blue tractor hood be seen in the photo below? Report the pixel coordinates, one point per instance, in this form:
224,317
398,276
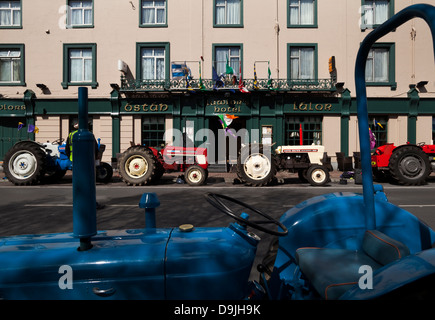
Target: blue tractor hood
203,263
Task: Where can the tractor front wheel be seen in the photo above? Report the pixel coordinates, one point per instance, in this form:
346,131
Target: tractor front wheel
137,166
318,175
104,172
195,175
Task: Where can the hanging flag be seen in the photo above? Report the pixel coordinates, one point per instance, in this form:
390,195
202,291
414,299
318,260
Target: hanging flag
226,120
269,76
256,87
301,135
228,69
20,126
179,71
377,124
32,129
242,87
201,85
217,81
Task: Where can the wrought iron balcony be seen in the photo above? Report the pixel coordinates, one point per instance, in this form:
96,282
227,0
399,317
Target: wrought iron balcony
326,85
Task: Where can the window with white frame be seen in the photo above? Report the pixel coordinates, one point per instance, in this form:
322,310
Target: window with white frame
80,65
302,63
80,13
228,12
153,12
377,65
10,66
153,63
375,12
302,12
10,13
227,60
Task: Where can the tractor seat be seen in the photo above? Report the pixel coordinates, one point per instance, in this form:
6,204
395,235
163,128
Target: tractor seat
334,271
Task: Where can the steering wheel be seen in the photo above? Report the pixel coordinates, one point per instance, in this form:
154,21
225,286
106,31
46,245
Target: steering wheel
217,201
58,141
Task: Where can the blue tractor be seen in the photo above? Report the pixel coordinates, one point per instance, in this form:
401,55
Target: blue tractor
29,162
336,246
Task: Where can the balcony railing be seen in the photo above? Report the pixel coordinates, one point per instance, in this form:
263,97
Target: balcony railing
252,85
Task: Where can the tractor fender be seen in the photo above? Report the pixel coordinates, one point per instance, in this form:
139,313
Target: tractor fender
401,278
27,142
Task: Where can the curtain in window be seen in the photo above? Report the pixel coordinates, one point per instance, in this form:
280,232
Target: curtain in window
381,65
153,12
80,65
228,11
81,12
148,12
10,13
10,65
302,12
153,64
302,63
381,11
221,60
233,11
377,66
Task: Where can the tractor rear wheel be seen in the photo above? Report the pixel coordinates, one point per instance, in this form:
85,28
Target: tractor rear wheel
24,164
254,166
137,166
409,165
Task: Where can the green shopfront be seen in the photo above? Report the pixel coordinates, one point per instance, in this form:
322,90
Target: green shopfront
278,117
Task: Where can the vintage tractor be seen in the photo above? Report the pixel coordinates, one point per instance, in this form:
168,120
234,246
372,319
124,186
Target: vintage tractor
407,164
30,162
257,166
142,165
339,245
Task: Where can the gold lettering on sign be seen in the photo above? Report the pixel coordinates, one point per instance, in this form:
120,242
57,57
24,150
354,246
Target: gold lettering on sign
312,107
154,107
5,107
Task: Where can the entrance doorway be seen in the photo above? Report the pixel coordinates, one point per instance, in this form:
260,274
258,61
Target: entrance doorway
224,148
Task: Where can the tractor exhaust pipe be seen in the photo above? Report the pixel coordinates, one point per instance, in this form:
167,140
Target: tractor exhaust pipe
84,190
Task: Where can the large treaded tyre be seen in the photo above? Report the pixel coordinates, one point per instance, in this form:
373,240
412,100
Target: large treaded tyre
137,166
409,165
254,167
24,164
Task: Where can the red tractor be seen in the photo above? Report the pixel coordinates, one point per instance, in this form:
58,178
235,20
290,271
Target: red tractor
408,164
141,165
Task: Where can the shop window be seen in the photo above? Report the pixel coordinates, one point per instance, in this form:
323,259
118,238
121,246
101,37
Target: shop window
153,130
379,125
80,65
80,13
228,13
153,13
302,13
12,65
10,14
309,126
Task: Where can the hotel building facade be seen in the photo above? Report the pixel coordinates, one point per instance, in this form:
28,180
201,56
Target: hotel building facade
156,66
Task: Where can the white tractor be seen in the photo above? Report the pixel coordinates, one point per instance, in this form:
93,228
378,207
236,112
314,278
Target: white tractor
257,166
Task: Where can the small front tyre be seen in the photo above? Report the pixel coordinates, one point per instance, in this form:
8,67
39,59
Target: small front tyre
104,172
195,175
318,175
